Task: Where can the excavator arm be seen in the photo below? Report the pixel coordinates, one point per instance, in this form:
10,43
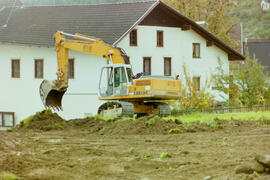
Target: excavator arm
51,92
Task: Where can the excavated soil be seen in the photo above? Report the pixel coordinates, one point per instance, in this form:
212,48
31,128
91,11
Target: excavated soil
145,149
44,121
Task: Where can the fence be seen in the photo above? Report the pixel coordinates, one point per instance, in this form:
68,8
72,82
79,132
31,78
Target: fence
222,110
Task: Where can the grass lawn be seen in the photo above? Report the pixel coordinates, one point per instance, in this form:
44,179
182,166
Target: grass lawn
209,118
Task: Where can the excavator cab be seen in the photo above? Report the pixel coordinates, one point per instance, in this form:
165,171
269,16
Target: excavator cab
115,80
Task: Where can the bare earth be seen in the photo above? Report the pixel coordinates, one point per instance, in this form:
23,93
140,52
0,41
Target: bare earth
85,151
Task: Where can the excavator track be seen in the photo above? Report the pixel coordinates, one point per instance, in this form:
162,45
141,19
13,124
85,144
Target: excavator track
116,109
127,109
164,109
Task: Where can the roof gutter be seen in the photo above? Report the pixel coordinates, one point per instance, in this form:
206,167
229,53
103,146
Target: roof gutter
137,22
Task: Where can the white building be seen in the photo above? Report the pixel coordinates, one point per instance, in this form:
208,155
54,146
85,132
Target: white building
157,39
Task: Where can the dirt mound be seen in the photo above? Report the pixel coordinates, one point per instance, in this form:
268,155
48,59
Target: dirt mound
44,120
144,125
123,126
154,125
141,126
47,120
90,124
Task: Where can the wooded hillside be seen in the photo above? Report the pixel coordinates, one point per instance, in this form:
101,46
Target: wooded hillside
256,22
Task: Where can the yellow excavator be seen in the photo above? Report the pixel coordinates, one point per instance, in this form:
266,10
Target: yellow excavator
124,93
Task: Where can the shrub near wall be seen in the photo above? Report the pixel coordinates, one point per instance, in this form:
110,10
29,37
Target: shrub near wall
246,84
192,98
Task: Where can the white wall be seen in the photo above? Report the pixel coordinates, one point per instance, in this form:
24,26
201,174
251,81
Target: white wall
178,46
21,95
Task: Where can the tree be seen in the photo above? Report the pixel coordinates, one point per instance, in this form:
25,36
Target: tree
192,97
246,85
214,13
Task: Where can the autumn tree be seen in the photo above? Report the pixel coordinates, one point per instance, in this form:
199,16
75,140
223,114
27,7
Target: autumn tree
193,95
246,85
214,13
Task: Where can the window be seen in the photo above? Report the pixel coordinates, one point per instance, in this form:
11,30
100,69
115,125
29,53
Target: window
119,76
7,119
147,65
71,68
15,68
196,82
133,37
167,66
38,68
196,50
159,38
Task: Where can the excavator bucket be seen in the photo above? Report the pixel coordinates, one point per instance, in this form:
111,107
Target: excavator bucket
51,95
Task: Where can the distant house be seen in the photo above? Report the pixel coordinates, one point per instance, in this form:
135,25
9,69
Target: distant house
157,39
261,49
265,5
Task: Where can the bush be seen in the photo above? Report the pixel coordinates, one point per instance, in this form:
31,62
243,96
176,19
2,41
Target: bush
192,98
246,84
7,176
